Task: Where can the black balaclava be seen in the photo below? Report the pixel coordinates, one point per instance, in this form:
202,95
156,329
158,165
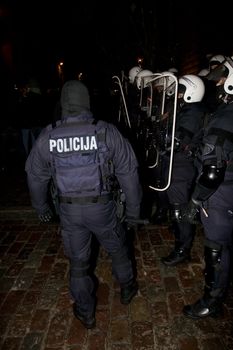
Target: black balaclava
74,98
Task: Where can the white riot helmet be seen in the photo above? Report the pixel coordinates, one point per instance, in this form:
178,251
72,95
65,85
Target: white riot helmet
225,70
143,77
203,72
173,70
216,60
194,88
167,82
228,85
133,72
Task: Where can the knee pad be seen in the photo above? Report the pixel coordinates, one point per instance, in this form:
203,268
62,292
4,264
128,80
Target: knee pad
213,252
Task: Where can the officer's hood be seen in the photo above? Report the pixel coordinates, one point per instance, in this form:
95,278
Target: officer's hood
75,98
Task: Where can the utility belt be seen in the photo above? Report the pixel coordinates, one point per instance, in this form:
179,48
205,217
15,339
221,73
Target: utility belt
105,198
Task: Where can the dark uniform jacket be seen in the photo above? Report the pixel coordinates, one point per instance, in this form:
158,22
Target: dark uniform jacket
40,167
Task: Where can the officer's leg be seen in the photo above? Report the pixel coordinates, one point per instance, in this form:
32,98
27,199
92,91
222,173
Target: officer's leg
161,214
183,233
122,266
218,232
211,302
102,220
179,194
114,243
77,241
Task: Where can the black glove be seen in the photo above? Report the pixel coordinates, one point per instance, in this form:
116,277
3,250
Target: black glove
191,212
47,216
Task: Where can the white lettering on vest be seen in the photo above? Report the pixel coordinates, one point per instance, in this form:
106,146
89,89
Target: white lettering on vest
82,143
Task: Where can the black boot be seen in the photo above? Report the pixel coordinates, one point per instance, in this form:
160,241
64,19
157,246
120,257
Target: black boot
211,304
204,307
128,292
87,321
177,256
183,238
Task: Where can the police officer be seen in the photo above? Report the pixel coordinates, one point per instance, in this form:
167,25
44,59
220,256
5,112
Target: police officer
82,156
189,120
212,196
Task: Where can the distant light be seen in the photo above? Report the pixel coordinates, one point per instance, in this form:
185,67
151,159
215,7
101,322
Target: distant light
80,76
61,64
140,61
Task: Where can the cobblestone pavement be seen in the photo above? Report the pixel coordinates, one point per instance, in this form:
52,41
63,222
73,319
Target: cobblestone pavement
35,307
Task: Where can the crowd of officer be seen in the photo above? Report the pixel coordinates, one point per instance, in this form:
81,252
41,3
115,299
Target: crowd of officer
172,147
200,190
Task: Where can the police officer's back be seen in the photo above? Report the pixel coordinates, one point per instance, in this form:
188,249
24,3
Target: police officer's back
82,156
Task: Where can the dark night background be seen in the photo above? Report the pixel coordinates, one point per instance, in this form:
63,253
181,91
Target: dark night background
101,38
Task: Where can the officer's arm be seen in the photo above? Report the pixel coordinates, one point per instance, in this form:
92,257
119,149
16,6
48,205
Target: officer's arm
126,171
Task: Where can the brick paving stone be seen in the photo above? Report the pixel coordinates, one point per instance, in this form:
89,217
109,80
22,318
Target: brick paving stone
153,276
103,294
117,309
7,260
77,334
119,347
186,277
175,303
11,343
19,324
212,344
34,259
15,248
171,284
163,338
2,272
39,280
103,319
29,301
64,301
15,269
142,336
189,343
46,264
32,341
3,249
2,297
96,341
40,320
11,303
7,283
156,293
139,310
4,321
58,329
120,331
159,311
47,299
24,279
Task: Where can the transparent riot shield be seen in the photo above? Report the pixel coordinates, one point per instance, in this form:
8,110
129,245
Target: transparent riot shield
121,91
161,95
